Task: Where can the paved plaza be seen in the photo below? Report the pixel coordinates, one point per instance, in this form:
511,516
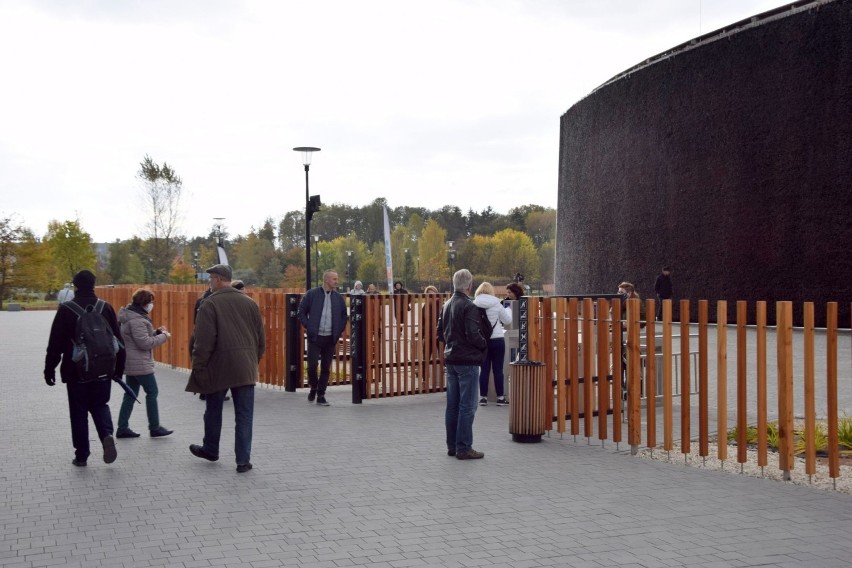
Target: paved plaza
371,485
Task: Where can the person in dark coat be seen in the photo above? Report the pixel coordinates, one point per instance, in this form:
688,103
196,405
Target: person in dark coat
663,289
322,312
84,398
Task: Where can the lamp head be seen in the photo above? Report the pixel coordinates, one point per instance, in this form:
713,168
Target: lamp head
307,152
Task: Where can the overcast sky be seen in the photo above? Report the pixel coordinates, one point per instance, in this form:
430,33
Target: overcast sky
423,103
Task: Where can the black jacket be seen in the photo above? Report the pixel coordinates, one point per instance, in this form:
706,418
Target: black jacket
458,328
310,311
663,286
60,346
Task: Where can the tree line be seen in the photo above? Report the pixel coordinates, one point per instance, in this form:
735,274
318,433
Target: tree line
426,245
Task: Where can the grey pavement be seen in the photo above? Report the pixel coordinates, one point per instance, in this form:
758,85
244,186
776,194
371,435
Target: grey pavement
371,485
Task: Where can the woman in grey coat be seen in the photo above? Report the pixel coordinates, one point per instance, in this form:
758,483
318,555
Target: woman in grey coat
140,339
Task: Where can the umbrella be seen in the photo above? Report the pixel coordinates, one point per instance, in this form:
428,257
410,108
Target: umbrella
127,389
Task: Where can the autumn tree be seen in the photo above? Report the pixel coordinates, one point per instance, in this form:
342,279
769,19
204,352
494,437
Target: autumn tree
162,190
433,252
11,233
70,249
513,251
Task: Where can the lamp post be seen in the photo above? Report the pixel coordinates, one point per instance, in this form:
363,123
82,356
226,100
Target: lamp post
310,207
316,246
195,264
349,268
451,259
407,268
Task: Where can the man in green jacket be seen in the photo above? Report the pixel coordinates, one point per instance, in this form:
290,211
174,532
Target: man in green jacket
229,342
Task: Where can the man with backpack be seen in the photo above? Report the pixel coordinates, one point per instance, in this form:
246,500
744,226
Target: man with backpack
88,366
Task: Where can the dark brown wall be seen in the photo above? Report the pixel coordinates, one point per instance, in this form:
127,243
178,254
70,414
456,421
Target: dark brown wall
730,161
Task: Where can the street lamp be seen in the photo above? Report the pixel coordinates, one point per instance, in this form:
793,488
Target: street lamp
349,268
407,267
195,264
316,242
451,259
311,206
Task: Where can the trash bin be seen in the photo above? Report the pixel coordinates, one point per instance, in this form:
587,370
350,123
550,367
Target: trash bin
528,402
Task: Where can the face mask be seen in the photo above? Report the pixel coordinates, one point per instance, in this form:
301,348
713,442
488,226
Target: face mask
149,307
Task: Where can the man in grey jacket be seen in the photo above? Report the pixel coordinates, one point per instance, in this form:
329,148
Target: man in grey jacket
229,342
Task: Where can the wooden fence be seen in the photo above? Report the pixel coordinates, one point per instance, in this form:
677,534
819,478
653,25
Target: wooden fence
601,368
583,355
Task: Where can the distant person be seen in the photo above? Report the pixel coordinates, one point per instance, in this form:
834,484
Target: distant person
464,350
371,289
663,289
65,294
238,285
429,314
628,292
357,289
229,342
514,291
323,314
140,339
84,398
401,306
498,316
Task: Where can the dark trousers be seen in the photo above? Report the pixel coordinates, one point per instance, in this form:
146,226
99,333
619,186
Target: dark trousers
493,360
322,350
84,399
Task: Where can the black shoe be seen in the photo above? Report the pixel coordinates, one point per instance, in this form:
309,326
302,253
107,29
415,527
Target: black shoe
200,452
126,433
451,453
243,467
312,396
483,401
160,432
502,401
78,463
321,401
202,397
227,398
110,453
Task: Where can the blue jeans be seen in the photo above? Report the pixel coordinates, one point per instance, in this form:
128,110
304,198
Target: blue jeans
461,406
149,383
493,360
243,398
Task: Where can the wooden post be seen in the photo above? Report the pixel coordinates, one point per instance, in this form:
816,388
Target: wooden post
603,393
785,388
742,384
668,430
651,374
573,364
703,400
831,389
762,447
685,438
810,404
722,379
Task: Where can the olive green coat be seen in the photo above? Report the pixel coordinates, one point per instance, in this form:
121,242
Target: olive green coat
229,342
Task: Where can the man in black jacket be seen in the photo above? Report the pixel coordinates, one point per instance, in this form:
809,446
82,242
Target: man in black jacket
84,398
663,289
322,312
464,350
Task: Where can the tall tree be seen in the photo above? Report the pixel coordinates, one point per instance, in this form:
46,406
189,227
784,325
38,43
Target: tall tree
514,252
34,270
10,234
162,190
70,248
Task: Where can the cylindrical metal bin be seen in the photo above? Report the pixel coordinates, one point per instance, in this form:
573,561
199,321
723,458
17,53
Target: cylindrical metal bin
527,409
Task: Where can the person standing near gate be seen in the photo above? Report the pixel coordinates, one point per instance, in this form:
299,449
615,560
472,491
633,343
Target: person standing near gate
229,342
663,289
464,350
323,314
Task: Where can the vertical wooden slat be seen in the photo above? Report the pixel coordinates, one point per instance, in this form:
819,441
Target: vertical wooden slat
617,369
722,379
651,375
831,390
742,384
562,371
573,363
603,351
785,386
634,364
685,438
703,395
762,446
588,349
547,326
668,426
810,403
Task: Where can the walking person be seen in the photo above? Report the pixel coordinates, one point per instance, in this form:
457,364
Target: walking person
357,289
464,351
498,316
322,312
140,339
229,342
663,289
65,294
84,397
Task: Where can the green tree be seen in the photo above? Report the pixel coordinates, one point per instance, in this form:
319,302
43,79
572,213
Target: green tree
181,273
433,253
70,248
11,233
513,252
541,226
34,270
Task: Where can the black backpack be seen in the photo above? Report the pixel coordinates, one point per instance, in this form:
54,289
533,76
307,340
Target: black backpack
485,326
95,345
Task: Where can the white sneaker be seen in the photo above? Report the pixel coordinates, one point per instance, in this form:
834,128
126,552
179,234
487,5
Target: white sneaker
502,401
483,401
